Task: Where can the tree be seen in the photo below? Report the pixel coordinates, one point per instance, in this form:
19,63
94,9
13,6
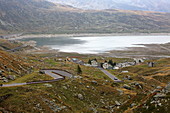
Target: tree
111,63
95,59
79,71
89,62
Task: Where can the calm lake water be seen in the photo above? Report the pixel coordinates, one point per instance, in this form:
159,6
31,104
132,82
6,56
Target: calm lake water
98,44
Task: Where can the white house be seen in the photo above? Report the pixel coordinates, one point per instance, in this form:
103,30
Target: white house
115,67
94,63
105,65
138,60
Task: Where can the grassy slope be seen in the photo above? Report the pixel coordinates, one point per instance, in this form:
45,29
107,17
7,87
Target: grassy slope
63,97
149,78
95,96
7,45
13,65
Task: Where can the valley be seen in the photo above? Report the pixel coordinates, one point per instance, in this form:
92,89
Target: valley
75,56
88,91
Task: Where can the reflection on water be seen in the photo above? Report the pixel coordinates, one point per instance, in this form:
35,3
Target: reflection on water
98,44
59,41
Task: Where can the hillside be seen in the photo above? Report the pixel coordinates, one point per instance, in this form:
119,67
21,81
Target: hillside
12,67
145,5
8,45
39,16
91,91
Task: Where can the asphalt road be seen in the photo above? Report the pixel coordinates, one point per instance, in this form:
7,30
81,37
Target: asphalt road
56,74
17,48
15,84
114,78
50,72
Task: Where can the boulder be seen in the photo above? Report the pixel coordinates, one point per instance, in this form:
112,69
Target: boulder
94,82
132,105
5,80
139,85
87,86
159,104
80,96
167,88
64,87
159,95
158,87
42,72
48,85
11,77
127,87
0,72
120,91
117,103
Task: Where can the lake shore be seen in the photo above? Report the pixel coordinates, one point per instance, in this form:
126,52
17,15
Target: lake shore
148,51
87,35
151,50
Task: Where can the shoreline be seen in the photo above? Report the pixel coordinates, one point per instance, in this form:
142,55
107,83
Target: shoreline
87,35
150,50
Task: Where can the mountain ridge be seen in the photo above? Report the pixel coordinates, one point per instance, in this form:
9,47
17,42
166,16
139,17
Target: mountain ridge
144,5
32,16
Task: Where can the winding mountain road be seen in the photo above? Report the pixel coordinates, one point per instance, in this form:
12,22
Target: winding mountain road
17,48
14,84
56,74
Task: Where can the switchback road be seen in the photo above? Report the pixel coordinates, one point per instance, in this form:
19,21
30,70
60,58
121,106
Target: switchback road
56,74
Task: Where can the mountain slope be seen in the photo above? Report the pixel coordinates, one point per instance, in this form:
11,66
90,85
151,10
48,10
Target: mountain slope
12,66
39,16
149,5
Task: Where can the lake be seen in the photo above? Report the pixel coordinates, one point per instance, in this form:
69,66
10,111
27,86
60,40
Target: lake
98,44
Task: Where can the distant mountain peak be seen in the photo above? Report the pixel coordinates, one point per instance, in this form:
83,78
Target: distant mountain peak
148,5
